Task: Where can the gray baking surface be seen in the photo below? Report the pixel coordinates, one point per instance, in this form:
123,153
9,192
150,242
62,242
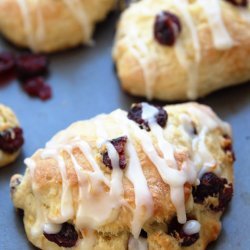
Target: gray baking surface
84,85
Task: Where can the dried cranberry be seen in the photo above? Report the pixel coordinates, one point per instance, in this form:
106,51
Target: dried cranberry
242,3
143,234
7,67
119,144
67,237
30,65
11,140
166,28
20,212
37,87
212,185
225,196
175,229
135,114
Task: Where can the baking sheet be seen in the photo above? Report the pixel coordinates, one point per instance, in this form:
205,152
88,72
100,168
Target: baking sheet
84,85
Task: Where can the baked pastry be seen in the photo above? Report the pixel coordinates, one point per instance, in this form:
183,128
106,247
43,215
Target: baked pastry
152,178
11,136
48,26
178,50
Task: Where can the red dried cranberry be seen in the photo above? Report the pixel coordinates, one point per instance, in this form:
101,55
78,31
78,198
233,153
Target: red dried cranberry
30,65
225,196
212,185
166,28
20,212
37,87
143,234
135,114
7,67
11,140
175,229
161,117
67,237
119,144
241,3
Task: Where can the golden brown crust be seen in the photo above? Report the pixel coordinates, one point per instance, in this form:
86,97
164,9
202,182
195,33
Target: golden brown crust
115,235
216,69
52,26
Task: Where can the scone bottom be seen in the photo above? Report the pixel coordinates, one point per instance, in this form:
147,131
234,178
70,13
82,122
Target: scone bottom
107,182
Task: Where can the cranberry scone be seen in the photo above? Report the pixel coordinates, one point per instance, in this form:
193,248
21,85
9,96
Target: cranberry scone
48,26
182,49
11,136
152,178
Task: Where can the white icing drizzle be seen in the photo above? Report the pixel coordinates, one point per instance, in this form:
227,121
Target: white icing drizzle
67,210
101,197
113,155
24,8
140,51
182,6
186,124
191,227
40,219
137,244
204,155
40,31
95,205
221,37
203,159
51,228
76,9
148,72
149,112
175,178
190,66
143,199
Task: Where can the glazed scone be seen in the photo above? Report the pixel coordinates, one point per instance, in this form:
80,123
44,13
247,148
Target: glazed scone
11,136
182,49
48,26
153,178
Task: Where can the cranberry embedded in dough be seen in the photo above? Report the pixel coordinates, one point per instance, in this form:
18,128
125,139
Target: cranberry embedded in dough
153,114
11,140
167,27
119,144
67,237
214,186
175,229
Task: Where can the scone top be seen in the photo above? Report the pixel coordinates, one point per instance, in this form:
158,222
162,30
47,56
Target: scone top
124,172
182,50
